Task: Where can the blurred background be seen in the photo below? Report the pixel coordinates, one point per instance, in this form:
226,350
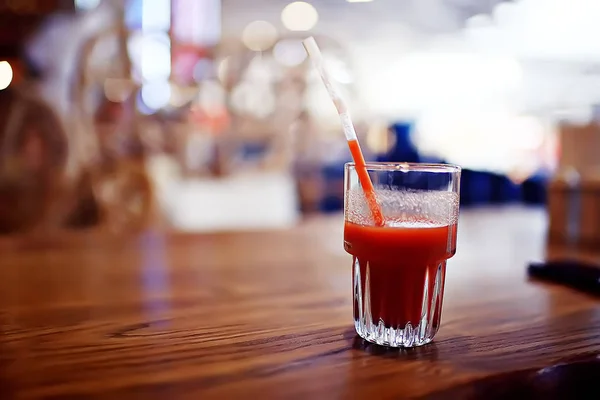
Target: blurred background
205,115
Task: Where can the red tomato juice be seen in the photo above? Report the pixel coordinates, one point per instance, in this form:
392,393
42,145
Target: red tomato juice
399,258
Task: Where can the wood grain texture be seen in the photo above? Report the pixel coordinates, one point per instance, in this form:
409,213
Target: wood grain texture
242,315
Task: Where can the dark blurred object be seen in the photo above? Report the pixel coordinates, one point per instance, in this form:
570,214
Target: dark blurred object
564,207
533,190
574,193
18,19
33,141
504,190
67,159
575,379
590,213
573,273
113,150
574,212
579,147
33,155
86,212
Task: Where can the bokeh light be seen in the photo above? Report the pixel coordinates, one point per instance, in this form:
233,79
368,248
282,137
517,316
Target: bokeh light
156,15
156,58
253,99
289,52
299,16
86,4
6,74
259,35
156,95
223,69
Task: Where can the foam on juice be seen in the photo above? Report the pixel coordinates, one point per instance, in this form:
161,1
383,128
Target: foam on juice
404,208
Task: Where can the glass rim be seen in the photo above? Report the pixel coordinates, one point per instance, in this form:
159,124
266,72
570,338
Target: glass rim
408,167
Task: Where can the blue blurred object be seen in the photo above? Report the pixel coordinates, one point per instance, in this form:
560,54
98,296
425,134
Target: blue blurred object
252,151
404,150
534,189
331,204
133,14
477,187
333,175
480,188
504,190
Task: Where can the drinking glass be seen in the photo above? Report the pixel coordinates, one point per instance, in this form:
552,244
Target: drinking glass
399,268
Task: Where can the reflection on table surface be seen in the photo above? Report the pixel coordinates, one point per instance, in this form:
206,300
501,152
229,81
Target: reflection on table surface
248,313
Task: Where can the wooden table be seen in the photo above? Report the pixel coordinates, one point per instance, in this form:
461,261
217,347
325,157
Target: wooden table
267,315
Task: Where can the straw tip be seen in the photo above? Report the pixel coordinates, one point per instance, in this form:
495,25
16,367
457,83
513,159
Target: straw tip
310,44
310,39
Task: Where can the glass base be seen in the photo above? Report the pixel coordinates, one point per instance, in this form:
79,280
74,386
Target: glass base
379,334
399,308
